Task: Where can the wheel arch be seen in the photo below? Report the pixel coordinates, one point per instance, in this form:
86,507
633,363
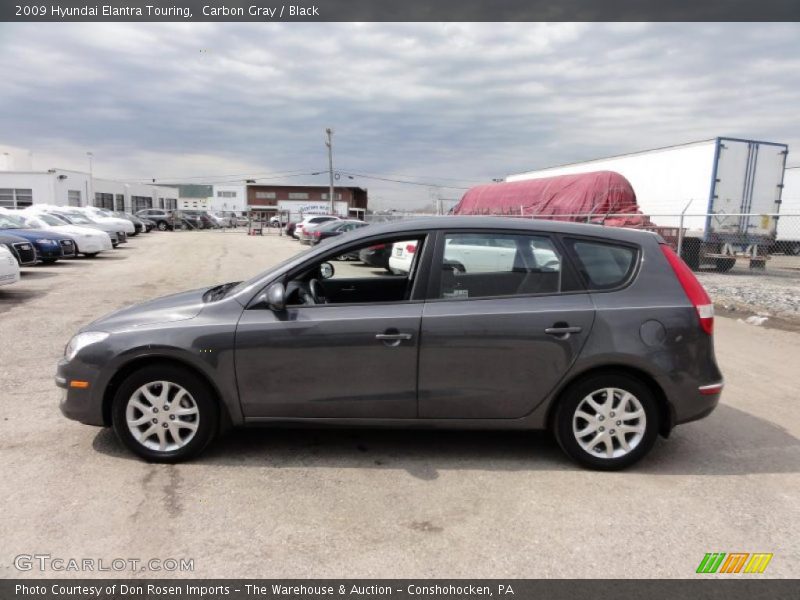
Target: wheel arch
666,417
225,420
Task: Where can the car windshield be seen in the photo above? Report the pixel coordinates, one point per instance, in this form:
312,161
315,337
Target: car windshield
12,222
79,219
49,219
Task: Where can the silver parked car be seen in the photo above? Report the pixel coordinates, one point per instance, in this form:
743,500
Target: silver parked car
608,344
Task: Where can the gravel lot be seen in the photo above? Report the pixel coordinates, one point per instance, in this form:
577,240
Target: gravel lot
774,292
353,503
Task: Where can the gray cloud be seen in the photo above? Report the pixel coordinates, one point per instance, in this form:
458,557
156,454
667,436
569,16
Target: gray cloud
429,101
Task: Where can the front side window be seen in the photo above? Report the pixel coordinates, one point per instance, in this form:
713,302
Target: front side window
482,265
375,271
604,265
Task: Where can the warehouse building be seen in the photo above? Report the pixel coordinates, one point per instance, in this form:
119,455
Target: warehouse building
63,187
298,200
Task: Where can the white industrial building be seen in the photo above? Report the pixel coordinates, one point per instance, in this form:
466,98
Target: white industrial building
62,187
215,198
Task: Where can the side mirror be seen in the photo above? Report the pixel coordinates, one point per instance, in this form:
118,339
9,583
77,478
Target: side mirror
275,297
326,270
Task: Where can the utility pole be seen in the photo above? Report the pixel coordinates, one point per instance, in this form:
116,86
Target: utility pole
90,191
329,144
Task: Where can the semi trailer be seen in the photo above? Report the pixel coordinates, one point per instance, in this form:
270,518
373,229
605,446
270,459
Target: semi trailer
723,194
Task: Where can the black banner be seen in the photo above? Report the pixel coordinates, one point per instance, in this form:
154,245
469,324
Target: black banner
399,10
704,587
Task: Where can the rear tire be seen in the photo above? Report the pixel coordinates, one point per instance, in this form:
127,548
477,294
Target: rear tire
607,437
162,225
690,253
165,423
723,265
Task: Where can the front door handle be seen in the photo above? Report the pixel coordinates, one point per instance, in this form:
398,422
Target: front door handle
562,332
392,337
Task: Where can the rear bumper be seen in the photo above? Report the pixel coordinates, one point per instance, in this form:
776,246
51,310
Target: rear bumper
703,404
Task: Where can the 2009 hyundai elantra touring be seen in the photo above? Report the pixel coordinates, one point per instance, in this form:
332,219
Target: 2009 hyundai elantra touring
602,335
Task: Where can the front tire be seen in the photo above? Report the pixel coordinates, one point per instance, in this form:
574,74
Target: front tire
165,414
607,421
162,225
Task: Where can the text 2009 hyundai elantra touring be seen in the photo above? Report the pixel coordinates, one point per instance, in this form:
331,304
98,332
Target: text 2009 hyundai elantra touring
601,334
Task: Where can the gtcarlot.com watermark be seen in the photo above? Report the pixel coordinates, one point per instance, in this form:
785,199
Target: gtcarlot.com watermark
47,562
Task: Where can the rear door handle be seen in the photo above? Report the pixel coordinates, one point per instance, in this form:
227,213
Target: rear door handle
562,332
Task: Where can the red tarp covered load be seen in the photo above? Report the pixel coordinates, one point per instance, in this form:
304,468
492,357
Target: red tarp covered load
598,193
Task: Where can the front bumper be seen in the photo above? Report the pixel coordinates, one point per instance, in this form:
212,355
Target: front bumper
80,404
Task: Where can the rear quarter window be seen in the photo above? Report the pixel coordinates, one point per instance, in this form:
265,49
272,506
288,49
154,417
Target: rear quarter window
604,265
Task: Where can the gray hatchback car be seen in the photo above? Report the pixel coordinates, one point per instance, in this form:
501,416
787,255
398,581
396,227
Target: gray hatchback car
602,335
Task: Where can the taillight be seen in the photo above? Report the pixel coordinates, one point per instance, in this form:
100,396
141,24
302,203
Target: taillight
693,288
411,248
317,234
378,247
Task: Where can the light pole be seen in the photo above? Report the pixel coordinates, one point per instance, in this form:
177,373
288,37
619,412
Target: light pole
90,192
329,144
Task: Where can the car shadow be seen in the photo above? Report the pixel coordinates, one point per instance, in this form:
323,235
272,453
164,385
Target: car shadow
28,274
11,297
729,442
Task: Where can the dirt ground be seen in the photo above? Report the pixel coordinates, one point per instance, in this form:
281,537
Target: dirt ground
361,503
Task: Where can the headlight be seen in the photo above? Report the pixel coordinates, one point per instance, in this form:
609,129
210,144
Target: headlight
45,242
80,341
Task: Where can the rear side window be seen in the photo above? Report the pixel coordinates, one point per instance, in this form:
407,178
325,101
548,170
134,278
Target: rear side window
604,266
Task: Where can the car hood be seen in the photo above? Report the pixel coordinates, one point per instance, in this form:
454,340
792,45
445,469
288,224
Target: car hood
121,224
80,231
167,309
35,234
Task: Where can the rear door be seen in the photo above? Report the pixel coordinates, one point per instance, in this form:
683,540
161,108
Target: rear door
494,343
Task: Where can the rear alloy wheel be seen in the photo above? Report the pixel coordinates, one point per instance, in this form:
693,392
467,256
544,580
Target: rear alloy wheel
607,422
164,414
162,225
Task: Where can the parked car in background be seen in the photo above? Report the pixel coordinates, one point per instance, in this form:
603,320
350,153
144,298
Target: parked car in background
198,219
290,229
23,250
483,254
88,241
311,221
50,246
333,229
278,221
140,225
9,268
100,214
376,255
224,218
608,349
162,218
76,218
148,224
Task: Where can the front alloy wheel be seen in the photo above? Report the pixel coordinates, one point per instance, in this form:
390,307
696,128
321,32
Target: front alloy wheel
165,413
162,416
607,421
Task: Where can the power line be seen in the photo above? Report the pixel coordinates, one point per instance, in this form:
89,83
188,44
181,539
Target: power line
238,176
430,177
406,182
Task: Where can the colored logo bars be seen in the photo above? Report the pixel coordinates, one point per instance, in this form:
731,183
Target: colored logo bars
735,562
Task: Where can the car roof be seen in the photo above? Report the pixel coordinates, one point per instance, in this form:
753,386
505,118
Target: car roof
504,223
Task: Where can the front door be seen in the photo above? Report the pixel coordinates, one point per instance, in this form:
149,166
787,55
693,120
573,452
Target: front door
329,361
347,350
499,332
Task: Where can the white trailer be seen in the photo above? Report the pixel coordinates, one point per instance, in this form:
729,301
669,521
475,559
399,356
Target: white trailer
721,180
788,238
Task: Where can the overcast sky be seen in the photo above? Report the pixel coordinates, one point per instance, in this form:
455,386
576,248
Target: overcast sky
449,104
